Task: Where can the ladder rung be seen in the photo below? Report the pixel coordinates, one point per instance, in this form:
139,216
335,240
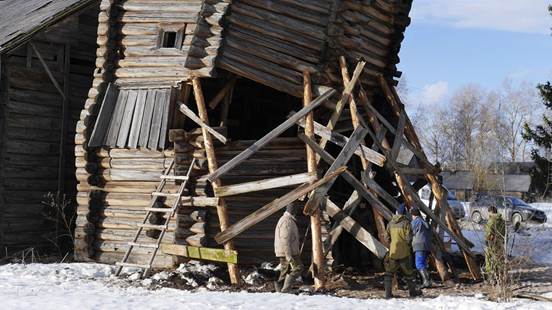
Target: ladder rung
144,245
161,210
152,226
132,265
165,194
174,177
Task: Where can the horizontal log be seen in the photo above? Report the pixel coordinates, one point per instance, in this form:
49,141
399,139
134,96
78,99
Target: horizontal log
236,189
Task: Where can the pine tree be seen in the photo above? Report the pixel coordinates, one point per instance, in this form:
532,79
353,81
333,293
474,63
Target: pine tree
541,136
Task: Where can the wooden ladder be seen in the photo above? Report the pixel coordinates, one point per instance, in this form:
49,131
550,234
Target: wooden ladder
151,209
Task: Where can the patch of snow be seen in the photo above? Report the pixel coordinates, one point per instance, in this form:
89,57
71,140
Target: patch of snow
89,286
534,242
254,278
547,208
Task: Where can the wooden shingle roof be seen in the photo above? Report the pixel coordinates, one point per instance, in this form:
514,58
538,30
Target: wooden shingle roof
20,19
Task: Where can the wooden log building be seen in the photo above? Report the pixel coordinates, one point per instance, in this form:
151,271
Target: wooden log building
47,60
222,112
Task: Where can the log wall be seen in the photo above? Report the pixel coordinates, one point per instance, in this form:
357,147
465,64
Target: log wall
137,31
31,126
282,157
116,184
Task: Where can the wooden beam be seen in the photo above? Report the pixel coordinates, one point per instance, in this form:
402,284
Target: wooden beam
270,136
201,253
318,262
350,205
361,234
345,97
344,156
398,136
350,178
222,93
261,185
273,207
64,122
339,139
222,211
191,115
50,75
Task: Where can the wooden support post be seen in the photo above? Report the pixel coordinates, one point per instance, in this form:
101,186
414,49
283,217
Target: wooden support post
222,212
223,93
346,96
438,191
318,268
366,167
226,107
64,122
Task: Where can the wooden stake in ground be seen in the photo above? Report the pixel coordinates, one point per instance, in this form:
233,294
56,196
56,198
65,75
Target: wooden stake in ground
318,270
222,212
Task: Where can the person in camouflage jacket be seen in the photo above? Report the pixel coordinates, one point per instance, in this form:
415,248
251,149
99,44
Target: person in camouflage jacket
399,233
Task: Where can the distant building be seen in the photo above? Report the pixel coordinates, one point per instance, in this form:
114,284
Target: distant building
509,178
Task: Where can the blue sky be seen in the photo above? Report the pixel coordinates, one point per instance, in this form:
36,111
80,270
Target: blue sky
457,42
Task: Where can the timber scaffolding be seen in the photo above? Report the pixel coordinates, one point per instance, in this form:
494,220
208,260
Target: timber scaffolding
230,84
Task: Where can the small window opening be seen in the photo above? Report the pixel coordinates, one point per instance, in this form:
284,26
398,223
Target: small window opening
169,39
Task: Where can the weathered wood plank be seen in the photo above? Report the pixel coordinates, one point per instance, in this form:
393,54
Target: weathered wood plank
190,114
271,135
116,119
344,156
339,139
350,178
106,112
146,119
273,207
156,119
261,185
216,255
361,234
127,118
137,119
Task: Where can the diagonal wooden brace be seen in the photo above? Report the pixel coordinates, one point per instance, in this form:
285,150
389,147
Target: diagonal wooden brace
341,160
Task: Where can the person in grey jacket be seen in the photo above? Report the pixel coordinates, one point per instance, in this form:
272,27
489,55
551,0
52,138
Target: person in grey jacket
421,245
287,247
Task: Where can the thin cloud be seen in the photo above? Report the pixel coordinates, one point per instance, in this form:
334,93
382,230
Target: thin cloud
435,93
528,16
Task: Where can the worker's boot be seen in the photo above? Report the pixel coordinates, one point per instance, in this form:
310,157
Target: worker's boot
425,278
278,284
413,291
387,284
288,283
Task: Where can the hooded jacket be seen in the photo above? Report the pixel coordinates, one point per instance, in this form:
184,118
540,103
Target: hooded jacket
286,237
400,233
421,240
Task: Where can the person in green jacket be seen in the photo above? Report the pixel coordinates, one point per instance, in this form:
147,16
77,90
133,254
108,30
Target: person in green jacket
495,235
399,231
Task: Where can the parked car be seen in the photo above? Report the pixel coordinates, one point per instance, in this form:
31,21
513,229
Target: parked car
455,205
512,209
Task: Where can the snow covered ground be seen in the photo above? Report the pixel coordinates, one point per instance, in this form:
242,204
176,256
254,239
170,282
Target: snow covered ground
92,286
